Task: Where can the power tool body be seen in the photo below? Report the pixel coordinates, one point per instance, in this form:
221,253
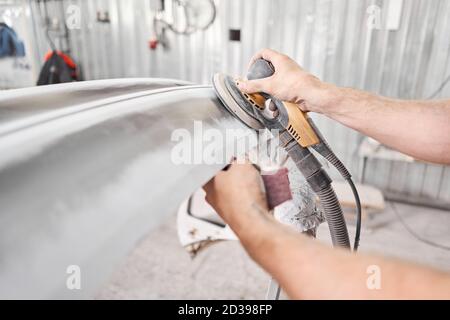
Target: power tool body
296,134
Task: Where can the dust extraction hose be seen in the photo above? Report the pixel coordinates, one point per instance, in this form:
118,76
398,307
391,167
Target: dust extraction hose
320,182
335,218
309,166
324,149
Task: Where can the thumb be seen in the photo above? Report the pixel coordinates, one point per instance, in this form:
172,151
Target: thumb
253,86
209,186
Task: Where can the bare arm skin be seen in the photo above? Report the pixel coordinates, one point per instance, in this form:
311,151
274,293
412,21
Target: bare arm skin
305,268
420,129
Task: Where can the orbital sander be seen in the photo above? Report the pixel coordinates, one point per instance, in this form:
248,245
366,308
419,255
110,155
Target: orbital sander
297,134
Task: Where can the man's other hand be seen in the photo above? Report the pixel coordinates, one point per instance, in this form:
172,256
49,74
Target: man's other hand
235,193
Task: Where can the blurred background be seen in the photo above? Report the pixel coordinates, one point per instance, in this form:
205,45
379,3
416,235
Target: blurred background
397,48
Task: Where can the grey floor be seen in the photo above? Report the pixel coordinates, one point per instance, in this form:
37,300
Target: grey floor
159,268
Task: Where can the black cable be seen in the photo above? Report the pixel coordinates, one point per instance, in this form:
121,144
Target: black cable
45,17
441,87
358,214
324,149
414,234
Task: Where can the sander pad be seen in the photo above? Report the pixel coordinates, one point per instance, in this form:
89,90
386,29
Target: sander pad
239,104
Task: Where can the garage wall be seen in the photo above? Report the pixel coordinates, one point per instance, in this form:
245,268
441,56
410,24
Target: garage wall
406,57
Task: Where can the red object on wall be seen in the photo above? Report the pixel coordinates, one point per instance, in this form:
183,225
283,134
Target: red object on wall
153,44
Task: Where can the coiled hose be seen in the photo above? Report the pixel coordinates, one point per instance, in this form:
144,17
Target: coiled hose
324,149
320,182
335,217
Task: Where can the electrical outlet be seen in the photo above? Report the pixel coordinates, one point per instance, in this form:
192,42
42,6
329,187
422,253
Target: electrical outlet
234,35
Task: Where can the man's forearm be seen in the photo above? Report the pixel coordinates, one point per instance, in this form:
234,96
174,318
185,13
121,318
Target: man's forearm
307,269
418,128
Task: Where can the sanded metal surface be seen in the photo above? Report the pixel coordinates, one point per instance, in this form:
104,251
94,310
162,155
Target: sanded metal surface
84,177
20,108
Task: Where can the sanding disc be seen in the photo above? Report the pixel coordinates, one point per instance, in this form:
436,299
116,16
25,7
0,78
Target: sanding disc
219,83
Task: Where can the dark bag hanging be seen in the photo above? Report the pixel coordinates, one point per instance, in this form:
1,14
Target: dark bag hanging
55,70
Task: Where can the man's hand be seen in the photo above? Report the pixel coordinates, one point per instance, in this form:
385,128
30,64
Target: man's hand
237,194
292,84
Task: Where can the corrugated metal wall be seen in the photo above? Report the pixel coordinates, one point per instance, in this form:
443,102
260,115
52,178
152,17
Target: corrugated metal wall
328,37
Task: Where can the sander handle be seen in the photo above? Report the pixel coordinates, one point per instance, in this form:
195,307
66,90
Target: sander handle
260,69
299,122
